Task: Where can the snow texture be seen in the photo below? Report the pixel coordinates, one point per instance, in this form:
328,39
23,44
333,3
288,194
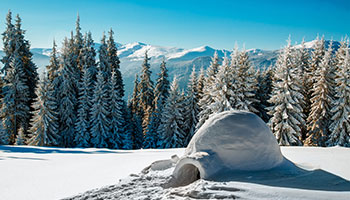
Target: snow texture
229,141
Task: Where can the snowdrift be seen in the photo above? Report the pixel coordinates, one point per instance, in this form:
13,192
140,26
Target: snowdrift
230,141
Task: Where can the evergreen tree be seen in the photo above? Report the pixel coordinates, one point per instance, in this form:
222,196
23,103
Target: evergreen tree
82,125
78,46
207,96
100,124
128,142
161,94
53,67
114,62
286,98
191,107
8,38
172,135
14,109
116,114
264,91
245,85
200,86
68,95
104,66
221,89
303,58
340,122
145,94
20,139
319,117
44,130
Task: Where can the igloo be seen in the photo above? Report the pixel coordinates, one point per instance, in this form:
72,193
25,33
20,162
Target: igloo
228,142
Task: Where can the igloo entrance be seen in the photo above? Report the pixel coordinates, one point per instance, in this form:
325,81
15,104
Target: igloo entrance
187,174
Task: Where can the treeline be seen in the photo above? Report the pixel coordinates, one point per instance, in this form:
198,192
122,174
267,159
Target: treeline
80,102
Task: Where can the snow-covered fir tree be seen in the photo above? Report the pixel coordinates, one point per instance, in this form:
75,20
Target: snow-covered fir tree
340,122
100,124
191,107
8,38
44,130
145,94
245,84
117,123
161,94
200,86
89,59
68,94
82,125
104,65
207,98
53,67
129,129
114,62
286,100
322,97
16,95
21,138
172,134
221,90
303,59
134,116
78,45
263,93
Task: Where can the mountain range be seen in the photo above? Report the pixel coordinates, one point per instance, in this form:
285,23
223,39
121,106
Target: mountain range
179,61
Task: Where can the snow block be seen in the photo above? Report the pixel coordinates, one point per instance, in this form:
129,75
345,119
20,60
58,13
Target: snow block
229,141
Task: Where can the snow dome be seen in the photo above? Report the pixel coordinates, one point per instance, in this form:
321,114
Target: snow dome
228,142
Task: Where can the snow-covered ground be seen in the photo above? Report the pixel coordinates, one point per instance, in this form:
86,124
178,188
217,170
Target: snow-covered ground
52,173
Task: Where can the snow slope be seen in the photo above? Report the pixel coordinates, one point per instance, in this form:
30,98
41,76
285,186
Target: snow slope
51,173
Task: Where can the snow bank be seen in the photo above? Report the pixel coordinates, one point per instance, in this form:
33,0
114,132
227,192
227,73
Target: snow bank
228,141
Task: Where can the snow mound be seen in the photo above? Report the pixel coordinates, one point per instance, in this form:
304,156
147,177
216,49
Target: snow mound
227,142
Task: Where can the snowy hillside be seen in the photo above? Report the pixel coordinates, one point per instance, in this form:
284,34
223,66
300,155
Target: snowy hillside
52,173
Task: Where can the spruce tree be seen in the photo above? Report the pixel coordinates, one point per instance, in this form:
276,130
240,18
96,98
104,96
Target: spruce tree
286,99
114,62
172,134
322,96
53,67
200,86
191,107
340,122
82,125
68,94
100,124
245,85
14,109
145,94
44,130
104,65
161,94
78,45
117,124
134,117
263,93
207,96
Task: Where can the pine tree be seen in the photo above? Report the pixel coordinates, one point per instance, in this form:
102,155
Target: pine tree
221,89
8,38
100,124
145,94
82,125
286,98
191,107
128,142
200,86
245,85
53,67
44,130
207,97
172,135
14,109
319,117
264,90
78,46
104,66
68,94
340,122
161,94
20,139
116,114
114,62
303,58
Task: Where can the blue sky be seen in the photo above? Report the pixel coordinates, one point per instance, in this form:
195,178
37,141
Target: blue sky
184,23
